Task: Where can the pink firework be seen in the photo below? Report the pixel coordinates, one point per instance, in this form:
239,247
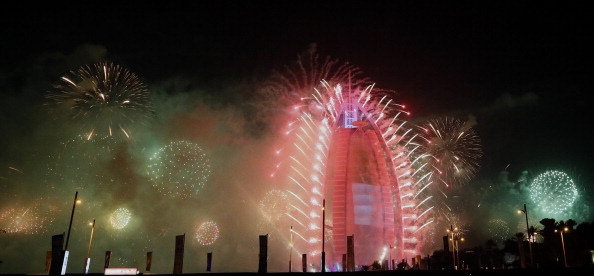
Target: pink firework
300,78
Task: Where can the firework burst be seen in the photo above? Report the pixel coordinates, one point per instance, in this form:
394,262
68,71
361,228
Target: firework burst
120,218
498,230
452,150
103,98
274,205
553,192
298,80
25,220
207,233
180,169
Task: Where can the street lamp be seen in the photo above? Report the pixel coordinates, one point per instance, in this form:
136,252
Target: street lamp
76,201
525,211
454,231
565,229
458,250
88,259
291,254
390,262
323,234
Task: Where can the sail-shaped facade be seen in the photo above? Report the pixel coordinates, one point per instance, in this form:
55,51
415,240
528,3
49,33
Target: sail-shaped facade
350,165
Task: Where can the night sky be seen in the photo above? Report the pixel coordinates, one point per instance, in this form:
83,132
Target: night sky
521,69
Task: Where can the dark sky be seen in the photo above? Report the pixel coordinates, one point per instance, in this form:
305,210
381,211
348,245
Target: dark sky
522,69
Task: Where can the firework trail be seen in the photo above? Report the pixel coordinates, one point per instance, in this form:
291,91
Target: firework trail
103,98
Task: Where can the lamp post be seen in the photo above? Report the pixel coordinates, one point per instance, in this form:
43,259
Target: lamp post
565,229
76,201
525,211
323,234
88,259
291,253
453,230
390,267
457,238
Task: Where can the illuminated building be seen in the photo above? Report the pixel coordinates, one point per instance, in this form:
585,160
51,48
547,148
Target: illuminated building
352,151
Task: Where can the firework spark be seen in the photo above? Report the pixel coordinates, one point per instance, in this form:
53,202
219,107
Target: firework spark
25,220
180,169
498,230
103,98
81,163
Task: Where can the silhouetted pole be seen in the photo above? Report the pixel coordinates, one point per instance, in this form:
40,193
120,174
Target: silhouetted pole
563,245
351,253
446,249
390,267
208,261
107,259
304,262
529,237
323,234
149,260
454,249
291,253
178,262
57,260
263,257
70,225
